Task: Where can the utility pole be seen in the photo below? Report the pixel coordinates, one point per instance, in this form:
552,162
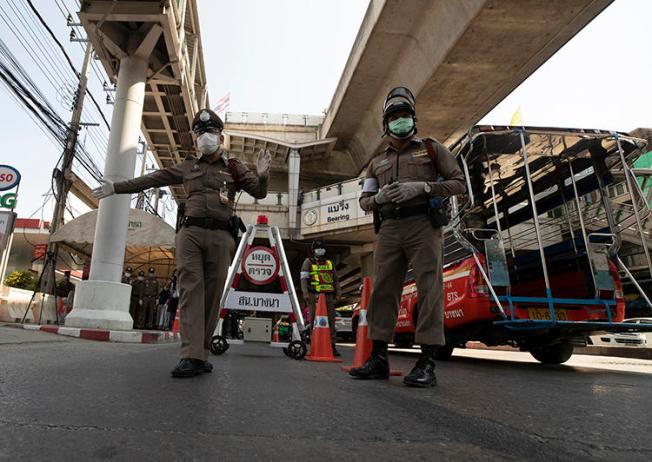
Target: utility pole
62,182
140,201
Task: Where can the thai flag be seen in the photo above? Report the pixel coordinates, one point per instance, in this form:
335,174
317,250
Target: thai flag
223,103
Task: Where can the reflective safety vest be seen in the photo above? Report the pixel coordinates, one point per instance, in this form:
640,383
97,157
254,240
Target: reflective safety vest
322,277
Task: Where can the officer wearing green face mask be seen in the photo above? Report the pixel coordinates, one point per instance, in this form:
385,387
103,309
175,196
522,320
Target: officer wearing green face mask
403,183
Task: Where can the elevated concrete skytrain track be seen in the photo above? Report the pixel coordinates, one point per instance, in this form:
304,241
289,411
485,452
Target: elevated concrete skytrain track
460,58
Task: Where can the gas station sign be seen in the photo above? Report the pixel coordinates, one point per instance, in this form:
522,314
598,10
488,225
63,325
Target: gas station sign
9,179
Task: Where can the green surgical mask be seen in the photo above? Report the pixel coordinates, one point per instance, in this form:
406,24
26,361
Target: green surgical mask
401,127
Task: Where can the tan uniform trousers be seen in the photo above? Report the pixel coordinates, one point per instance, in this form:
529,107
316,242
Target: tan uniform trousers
203,258
330,308
401,244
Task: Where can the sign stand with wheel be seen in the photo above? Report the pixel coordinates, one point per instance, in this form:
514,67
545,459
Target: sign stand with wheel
261,266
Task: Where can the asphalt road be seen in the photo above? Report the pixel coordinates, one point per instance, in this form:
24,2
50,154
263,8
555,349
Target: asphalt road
70,399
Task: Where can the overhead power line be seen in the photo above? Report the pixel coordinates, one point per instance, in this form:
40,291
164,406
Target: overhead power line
72,66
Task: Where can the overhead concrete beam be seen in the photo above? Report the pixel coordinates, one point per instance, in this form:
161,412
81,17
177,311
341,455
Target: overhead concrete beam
459,58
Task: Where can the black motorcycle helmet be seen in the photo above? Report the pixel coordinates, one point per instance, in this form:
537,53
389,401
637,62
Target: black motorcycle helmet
318,244
399,99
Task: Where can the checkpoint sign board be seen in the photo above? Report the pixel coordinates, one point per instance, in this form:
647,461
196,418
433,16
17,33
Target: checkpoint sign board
260,265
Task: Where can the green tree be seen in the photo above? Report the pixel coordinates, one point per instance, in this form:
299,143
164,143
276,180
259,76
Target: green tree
21,280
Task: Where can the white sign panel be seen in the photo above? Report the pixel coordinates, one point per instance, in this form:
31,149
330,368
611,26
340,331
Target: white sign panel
6,227
258,301
336,212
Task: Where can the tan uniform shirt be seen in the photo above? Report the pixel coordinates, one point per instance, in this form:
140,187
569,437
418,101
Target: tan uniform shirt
413,164
209,185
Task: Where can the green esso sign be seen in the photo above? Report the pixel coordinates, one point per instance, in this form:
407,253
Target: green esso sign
8,201
9,179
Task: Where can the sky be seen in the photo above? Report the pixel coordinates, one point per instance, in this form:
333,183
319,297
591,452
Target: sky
286,56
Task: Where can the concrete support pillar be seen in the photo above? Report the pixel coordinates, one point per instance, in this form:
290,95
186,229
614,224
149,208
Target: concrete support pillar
367,265
294,167
102,302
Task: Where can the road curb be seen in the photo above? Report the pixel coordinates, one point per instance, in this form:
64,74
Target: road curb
103,335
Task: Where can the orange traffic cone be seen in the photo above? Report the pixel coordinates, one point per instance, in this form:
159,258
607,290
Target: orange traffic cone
362,343
320,340
177,322
275,336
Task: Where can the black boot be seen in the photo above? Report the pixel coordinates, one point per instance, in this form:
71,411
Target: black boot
207,367
423,373
336,353
188,367
376,367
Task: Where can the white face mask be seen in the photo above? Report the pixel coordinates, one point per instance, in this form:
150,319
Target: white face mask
207,143
140,278
320,252
127,274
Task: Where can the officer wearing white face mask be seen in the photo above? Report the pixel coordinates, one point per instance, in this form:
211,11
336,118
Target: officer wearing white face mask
318,276
205,243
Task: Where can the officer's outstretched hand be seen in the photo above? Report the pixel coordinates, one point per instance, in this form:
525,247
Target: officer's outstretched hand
402,192
105,190
263,163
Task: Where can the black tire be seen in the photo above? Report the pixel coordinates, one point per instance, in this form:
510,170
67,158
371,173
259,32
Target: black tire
219,345
354,330
296,349
444,352
557,353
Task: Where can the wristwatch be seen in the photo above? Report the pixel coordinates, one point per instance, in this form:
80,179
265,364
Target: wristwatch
427,188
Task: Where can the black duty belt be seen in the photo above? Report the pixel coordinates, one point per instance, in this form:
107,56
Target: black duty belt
404,212
206,222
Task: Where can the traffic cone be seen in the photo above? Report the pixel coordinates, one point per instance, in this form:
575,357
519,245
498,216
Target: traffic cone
275,336
362,343
320,340
177,322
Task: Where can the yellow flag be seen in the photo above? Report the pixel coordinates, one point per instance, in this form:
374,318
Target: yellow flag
516,118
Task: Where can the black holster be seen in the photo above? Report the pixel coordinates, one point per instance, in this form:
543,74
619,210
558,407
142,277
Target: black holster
236,224
181,211
437,213
377,220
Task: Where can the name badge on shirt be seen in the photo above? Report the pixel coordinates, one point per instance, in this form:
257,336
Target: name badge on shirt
420,154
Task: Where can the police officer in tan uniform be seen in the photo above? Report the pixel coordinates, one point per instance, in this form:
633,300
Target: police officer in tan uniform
150,298
403,187
137,301
318,276
205,243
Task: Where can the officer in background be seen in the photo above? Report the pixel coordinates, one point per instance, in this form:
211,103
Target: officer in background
137,294
150,298
126,277
205,243
400,187
318,276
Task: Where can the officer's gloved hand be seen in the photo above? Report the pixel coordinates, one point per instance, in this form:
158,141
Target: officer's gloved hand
105,189
402,192
263,163
382,196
